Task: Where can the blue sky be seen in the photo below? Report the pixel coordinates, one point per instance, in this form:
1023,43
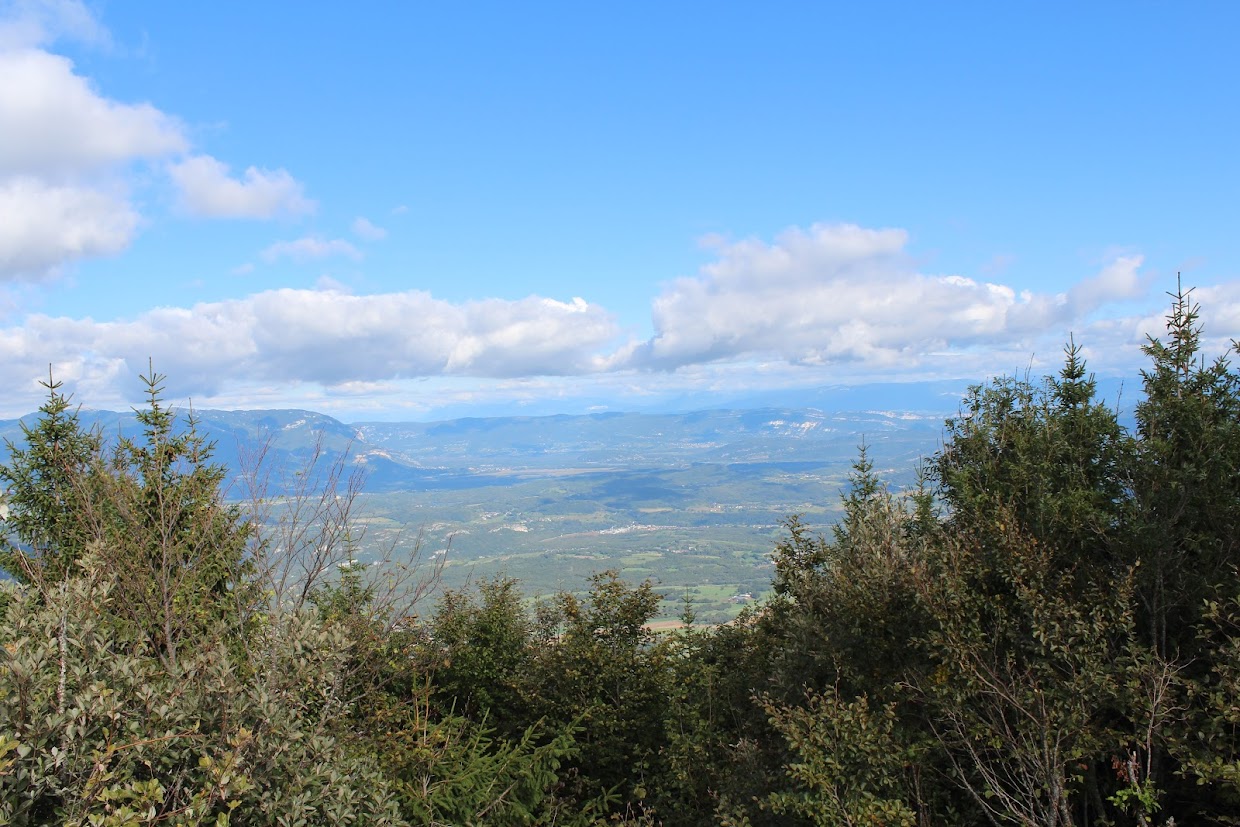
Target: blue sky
398,209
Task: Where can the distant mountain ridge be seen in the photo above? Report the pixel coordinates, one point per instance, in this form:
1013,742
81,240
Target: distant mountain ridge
465,452
899,422
405,455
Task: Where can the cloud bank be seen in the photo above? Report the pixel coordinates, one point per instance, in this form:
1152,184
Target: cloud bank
312,336
826,304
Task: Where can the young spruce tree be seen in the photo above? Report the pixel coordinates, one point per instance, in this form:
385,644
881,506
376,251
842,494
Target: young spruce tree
47,482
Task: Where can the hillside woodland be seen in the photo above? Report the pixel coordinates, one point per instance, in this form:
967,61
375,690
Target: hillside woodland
1045,631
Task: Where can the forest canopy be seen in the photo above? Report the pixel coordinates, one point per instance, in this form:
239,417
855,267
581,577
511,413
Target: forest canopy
1044,631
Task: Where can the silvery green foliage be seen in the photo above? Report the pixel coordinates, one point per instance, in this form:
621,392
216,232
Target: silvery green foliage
849,764
95,729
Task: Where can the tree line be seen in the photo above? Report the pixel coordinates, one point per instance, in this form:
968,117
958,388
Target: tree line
1044,631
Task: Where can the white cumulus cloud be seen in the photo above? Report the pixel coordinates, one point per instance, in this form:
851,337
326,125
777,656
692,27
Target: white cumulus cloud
65,149
310,247
842,294
1119,280
68,153
363,229
52,121
44,226
208,189
27,23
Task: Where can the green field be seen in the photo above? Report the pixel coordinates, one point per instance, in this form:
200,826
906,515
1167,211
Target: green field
706,531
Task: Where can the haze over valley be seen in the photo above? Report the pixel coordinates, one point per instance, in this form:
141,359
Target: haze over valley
695,500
